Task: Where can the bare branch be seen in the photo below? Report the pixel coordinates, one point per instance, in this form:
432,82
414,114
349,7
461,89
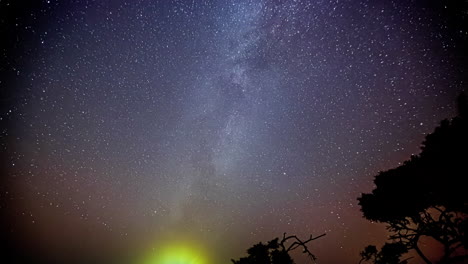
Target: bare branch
299,243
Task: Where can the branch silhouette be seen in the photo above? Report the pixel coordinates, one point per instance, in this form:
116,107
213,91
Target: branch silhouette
277,251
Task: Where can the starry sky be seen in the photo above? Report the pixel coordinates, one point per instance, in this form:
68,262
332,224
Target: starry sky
127,126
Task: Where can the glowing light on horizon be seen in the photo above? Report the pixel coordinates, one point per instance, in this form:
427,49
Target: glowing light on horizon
177,254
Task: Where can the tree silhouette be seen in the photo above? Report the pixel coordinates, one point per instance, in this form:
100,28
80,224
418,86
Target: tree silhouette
276,251
426,195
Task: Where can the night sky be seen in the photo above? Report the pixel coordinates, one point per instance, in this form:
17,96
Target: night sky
131,126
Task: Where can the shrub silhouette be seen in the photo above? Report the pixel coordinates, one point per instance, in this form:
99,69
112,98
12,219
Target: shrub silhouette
389,254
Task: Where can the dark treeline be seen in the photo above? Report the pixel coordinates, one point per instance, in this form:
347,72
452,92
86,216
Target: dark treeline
424,197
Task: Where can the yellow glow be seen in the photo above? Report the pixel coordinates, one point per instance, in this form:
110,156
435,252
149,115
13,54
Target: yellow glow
177,254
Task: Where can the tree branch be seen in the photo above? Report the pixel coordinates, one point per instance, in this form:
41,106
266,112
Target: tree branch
299,243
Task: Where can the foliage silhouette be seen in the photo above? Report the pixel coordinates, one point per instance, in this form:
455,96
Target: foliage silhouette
276,251
426,195
389,254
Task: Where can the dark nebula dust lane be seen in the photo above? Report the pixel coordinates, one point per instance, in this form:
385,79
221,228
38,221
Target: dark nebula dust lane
132,125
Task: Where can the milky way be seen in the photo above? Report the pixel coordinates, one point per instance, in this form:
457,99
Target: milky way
130,124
